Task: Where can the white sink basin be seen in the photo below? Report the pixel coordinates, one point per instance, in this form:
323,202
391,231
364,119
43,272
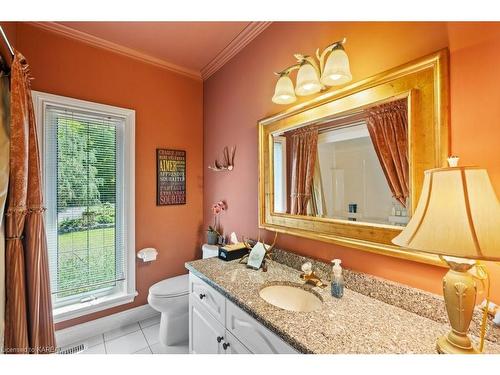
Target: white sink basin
290,298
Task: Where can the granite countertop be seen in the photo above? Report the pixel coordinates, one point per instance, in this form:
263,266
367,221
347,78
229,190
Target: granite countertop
356,323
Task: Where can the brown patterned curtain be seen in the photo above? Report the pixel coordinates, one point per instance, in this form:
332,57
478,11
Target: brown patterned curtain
4,186
304,152
317,203
388,128
29,325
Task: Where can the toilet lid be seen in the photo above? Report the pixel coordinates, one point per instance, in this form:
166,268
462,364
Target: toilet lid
172,287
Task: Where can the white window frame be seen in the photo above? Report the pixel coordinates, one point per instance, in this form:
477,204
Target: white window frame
284,198
128,292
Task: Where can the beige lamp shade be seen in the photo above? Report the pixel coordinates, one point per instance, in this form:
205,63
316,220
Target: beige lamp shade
458,215
284,92
336,71
307,80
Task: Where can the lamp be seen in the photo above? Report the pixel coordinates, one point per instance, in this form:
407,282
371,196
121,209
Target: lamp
458,218
307,80
335,72
284,93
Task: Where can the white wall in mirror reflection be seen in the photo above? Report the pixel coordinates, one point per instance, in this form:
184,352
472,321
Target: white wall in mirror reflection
353,182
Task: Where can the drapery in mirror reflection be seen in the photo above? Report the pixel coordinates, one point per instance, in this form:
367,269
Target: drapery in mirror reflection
352,167
388,128
304,152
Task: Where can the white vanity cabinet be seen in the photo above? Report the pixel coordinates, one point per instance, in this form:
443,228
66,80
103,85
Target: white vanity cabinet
213,301
205,333
234,346
257,338
218,326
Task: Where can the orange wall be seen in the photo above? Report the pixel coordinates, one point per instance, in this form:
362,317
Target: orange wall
475,104
168,114
238,95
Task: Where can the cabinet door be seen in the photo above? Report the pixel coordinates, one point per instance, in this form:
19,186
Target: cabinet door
233,345
214,302
253,335
205,332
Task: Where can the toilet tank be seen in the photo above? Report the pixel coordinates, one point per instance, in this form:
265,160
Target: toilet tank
209,251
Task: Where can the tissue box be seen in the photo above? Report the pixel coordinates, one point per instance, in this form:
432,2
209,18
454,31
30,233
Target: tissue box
233,251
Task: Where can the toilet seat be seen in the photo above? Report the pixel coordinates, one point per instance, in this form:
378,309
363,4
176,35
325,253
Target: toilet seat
171,287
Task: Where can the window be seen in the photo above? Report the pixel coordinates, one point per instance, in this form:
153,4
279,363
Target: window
279,154
88,171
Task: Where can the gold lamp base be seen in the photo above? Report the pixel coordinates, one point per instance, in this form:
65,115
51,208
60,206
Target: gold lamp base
444,346
459,291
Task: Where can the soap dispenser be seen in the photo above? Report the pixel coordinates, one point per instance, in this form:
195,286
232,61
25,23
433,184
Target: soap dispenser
337,279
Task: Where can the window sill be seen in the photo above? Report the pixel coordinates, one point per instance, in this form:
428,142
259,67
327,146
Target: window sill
64,313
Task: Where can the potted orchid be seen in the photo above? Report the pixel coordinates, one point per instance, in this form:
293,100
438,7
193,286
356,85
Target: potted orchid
213,233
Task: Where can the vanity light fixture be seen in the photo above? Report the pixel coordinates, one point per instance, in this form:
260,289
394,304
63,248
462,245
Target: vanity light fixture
307,80
284,92
336,71
314,75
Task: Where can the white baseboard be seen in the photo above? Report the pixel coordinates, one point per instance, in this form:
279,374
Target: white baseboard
95,327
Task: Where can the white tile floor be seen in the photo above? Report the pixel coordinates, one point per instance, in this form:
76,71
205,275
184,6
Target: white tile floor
136,338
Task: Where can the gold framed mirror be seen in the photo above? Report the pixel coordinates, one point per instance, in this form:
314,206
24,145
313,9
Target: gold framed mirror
347,167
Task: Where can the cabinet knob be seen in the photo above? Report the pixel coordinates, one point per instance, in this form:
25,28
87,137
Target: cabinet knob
225,345
220,338
202,295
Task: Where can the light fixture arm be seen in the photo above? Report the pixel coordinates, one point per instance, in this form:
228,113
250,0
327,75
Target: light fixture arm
288,70
305,59
321,56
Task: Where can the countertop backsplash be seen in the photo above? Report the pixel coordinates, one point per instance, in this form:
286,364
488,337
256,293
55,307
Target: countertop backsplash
414,300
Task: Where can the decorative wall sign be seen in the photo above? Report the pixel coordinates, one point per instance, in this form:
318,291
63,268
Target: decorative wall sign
170,177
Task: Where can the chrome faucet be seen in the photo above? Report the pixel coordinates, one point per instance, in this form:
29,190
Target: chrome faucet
310,277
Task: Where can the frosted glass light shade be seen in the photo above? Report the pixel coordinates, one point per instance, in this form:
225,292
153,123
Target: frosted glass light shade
283,92
336,71
458,215
307,81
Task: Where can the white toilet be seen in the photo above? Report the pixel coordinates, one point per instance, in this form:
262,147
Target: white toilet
170,297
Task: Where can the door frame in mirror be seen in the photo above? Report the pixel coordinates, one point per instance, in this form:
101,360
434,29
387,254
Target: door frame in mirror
425,82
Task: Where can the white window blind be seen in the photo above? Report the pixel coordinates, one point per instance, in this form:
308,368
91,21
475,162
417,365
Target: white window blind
84,177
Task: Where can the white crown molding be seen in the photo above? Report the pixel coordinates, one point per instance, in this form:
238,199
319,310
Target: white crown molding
114,47
249,33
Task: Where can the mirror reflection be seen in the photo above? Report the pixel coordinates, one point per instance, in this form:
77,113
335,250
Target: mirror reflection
352,167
